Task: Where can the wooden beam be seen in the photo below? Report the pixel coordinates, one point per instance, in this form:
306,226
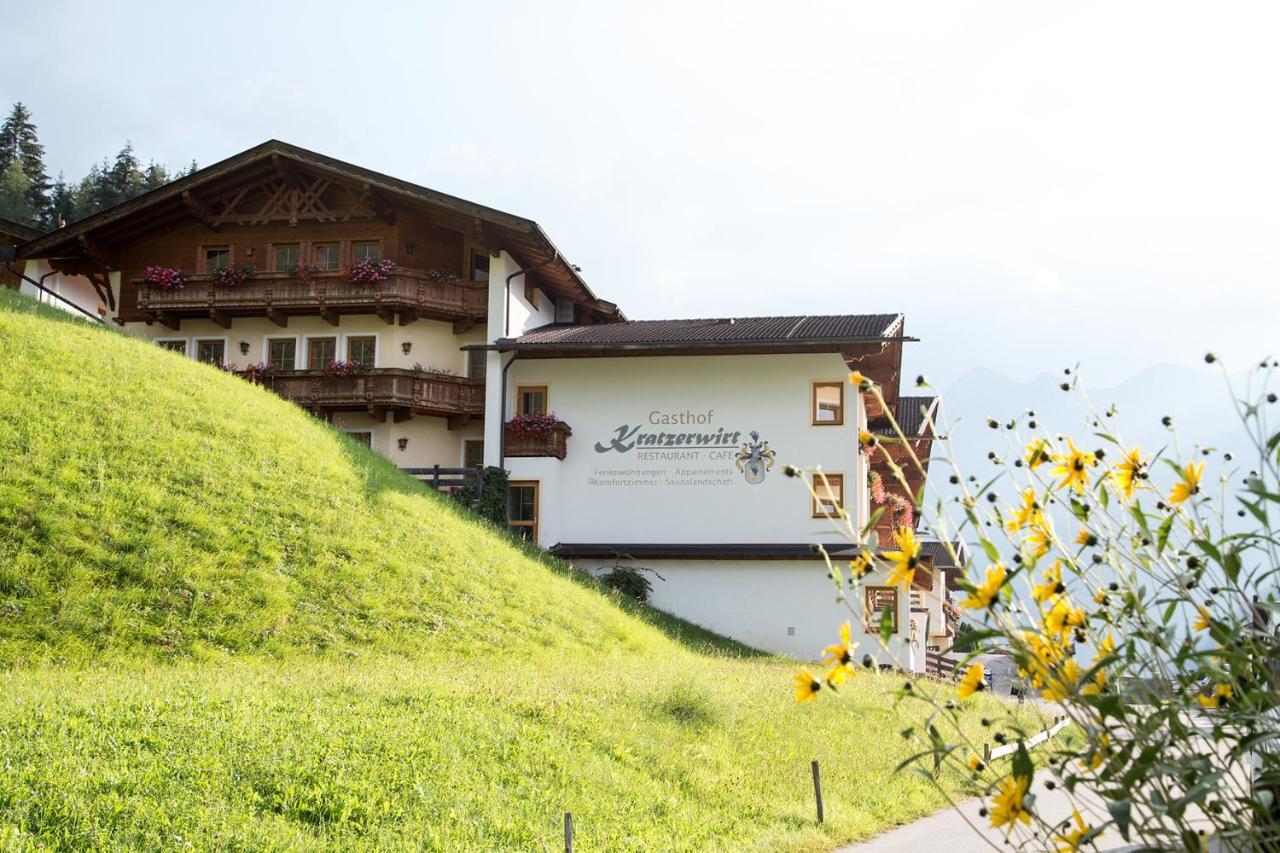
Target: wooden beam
380,206
96,253
408,316
279,318
167,319
197,208
220,318
459,421
387,315
402,415
482,232
463,325
330,316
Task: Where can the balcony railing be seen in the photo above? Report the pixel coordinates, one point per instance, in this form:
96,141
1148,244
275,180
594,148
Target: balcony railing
550,442
411,294
379,391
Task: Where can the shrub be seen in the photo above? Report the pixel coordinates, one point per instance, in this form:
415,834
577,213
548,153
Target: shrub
628,580
492,505
1138,593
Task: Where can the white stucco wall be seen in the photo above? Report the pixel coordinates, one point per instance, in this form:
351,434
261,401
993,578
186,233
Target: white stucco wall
677,494
73,288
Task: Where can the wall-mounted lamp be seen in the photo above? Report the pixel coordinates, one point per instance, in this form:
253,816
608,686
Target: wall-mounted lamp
244,347
402,442
406,346
408,248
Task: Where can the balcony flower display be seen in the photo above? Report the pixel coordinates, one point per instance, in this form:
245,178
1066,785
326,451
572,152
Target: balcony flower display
339,368
165,278
442,276
533,426
368,272
230,276
258,373
305,273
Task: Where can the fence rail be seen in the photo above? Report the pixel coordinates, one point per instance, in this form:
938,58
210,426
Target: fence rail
449,478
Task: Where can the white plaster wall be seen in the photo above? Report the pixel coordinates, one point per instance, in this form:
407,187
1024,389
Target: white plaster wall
631,497
73,288
781,606
430,441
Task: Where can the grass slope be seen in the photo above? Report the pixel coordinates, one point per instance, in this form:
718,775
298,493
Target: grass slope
223,624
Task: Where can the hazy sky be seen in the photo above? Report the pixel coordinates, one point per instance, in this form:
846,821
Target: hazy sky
1032,184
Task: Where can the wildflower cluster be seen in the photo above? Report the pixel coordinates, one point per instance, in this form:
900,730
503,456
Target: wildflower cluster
368,272
258,373
230,276
165,278
1140,602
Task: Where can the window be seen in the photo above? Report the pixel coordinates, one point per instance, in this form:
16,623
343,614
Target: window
828,403
282,354
363,349
522,510
828,501
321,351
179,345
473,453
328,256
361,436
531,400
477,363
565,310
211,352
367,251
216,259
479,267
288,257
878,600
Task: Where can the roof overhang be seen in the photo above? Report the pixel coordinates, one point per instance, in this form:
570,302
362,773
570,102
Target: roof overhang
847,347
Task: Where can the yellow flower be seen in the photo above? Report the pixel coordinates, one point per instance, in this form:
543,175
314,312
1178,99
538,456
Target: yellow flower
1073,467
1028,513
1037,453
1128,471
975,764
857,380
986,594
1061,618
905,560
1203,619
866,440
1094,686
807,686
1101,749
1222,693
1190,484
972,681
839,657
1070,839
862,564
1084,537
1062,681
1108,646
1007,807
1037,540
1052,585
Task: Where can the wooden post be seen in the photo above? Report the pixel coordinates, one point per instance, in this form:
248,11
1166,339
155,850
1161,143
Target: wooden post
817,788
568,832
986,753
937,764
435,478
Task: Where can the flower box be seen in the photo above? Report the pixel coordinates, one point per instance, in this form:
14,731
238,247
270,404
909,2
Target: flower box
165,278
368,272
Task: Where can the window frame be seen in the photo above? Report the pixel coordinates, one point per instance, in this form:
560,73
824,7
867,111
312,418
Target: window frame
337,256
377,347
355,248
354,431
536,485
195,348
471,442
870,617
269,339
813,402
834,478
185,341
307,339
475,253
546,398
275,256
480,357
204,256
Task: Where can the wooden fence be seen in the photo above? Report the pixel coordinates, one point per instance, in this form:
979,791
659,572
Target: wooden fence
449,478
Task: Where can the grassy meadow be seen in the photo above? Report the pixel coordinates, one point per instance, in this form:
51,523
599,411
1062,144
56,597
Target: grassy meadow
225,626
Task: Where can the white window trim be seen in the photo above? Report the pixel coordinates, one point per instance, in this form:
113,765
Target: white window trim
373,434
185,341
193,348
297,348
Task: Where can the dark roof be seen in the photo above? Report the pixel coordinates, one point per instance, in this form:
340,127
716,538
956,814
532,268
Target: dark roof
910,414
835,329
936,552
701,551
533,242
17,229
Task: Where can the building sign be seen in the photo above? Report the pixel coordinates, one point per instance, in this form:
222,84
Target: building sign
878,600
709,454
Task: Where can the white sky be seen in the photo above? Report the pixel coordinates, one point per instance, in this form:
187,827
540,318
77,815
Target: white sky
1032,184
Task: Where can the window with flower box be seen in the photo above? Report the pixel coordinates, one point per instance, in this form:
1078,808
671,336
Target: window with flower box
363,349
282,354
328,256
531,400
368,251
288,257
212,351
216,258
321,351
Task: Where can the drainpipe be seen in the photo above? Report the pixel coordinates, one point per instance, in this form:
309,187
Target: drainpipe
506,305
502,436
39,285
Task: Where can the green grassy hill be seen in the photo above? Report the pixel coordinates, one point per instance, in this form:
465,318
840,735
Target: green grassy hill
223,624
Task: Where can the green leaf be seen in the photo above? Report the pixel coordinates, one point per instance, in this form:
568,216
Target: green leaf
992,552
1120,812
1079,510
1023,768
1104,495
886,624
1231,564
1255,510
971,641
1162,536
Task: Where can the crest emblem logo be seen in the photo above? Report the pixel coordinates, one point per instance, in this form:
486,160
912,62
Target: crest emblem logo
755,458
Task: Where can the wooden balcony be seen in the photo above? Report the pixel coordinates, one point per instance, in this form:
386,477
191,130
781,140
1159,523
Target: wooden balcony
381,391
407,295
553,442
